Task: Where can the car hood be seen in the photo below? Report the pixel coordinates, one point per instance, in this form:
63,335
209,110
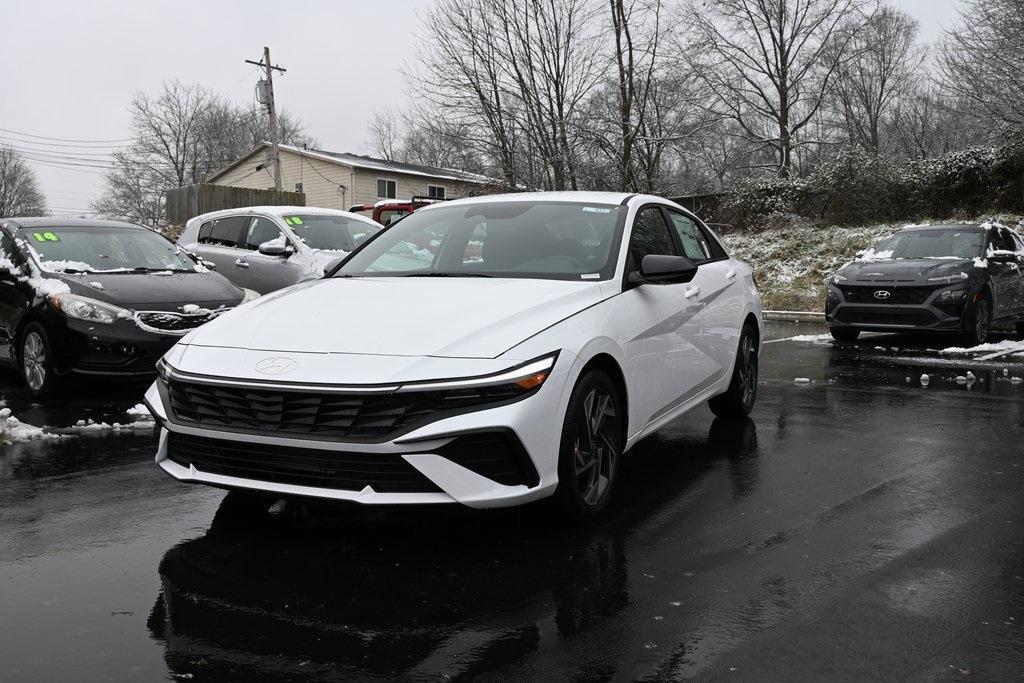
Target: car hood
904,270
396,316
154,292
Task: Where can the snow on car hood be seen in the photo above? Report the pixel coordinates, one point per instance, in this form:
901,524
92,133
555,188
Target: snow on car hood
400,316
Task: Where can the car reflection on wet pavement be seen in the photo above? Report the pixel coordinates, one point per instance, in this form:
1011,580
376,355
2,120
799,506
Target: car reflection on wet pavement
858,526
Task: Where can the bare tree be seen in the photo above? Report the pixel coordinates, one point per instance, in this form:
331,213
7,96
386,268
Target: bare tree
181,135
770,64
982,62
924,125
19,190
866,88
385,135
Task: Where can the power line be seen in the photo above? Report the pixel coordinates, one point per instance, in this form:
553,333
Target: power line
43,137
98,148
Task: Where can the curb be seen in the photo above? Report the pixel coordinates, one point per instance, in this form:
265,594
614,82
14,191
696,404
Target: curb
795,316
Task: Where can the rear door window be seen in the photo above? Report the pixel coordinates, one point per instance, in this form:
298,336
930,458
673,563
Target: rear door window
695,245
225,232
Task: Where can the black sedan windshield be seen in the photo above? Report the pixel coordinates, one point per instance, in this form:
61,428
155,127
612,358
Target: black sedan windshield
332,233
955,242
536,239
82,249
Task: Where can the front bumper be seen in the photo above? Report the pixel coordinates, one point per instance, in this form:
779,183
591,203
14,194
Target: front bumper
120,349
444,461
925,315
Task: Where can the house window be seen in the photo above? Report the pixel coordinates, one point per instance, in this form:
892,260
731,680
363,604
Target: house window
435,191
386,189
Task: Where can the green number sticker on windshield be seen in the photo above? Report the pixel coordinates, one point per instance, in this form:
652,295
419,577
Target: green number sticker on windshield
45,237
293,220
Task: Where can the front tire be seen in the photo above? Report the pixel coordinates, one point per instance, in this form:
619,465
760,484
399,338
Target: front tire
36,362
979,323
593,436
739,399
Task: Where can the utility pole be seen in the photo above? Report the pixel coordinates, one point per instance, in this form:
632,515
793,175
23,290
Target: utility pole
269,101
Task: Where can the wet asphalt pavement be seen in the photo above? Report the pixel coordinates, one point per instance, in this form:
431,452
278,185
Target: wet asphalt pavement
858,527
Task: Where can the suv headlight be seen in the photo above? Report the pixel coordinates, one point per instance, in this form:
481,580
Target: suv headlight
951,296
832,294
949,278
837,278
84,308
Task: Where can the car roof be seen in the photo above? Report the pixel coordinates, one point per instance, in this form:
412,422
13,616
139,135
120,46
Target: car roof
57,222
567,196
945,226
279,212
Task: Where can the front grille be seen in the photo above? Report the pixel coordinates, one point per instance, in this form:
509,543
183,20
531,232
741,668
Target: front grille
885,316
856,294
168,321
308,413
384,472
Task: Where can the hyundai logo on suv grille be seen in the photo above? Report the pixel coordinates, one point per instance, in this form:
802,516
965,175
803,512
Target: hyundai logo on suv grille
883,294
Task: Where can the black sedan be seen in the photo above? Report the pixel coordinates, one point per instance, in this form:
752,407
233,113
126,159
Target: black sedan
88,297
951,278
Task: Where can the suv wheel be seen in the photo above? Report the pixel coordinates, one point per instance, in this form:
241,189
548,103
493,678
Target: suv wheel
979,322
593,437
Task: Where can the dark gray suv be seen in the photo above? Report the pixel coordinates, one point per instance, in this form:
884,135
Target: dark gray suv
957,278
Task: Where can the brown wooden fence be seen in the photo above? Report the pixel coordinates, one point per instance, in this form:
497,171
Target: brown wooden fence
187,202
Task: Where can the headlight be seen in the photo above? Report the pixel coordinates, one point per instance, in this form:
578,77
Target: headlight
84,308
511,383
248,295
837,278
948,278
832,294
952,296
163,370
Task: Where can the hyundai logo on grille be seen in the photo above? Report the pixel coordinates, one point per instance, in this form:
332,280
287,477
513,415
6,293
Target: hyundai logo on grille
276,365
883,294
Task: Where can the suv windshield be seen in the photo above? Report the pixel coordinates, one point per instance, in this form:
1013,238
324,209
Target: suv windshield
532,239
958,242
83,249
332,233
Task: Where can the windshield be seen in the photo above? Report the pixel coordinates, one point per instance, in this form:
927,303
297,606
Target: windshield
334,233
540,239
82,249
960,243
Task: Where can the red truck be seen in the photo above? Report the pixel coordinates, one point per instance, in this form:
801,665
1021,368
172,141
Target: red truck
387,211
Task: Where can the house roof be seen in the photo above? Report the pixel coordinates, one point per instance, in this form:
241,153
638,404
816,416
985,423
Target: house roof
367,162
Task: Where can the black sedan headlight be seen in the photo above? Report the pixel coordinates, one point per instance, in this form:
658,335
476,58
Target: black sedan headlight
84,308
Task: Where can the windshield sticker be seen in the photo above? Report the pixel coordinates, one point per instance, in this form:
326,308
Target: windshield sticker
595,209
293,220
45,237
590,276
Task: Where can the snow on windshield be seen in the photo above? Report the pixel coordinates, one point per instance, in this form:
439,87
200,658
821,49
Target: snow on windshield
104,250
959,243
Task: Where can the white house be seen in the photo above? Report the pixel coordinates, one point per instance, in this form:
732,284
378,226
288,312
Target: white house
338,180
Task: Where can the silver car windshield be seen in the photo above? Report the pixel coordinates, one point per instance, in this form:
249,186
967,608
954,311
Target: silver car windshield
542,239
331,233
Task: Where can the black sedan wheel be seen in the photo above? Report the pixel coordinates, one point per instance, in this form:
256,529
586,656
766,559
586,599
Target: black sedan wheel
592,441
37,361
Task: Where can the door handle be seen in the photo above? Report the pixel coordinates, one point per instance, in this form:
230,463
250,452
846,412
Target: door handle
730,274
241,263
692,292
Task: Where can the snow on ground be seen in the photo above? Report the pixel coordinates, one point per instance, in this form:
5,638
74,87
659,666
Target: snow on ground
13,430
1013,347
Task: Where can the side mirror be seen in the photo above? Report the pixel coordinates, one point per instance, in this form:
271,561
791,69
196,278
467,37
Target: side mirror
333,264
210,265
1003,257
275,248
663,269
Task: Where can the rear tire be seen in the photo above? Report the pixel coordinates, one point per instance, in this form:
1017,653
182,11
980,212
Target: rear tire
593,437
979,323
739,398
844,334
35,361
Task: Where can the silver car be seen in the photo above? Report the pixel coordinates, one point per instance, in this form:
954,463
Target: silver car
265,248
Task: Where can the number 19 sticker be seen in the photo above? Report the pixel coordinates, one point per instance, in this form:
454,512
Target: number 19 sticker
46,237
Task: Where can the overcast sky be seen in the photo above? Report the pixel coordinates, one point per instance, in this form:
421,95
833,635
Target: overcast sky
71,66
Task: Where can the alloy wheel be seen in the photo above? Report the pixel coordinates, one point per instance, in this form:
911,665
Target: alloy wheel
595,451
981,321
747,371
33,360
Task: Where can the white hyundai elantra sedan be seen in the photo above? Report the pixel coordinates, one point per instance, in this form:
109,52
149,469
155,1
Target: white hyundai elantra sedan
487,351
